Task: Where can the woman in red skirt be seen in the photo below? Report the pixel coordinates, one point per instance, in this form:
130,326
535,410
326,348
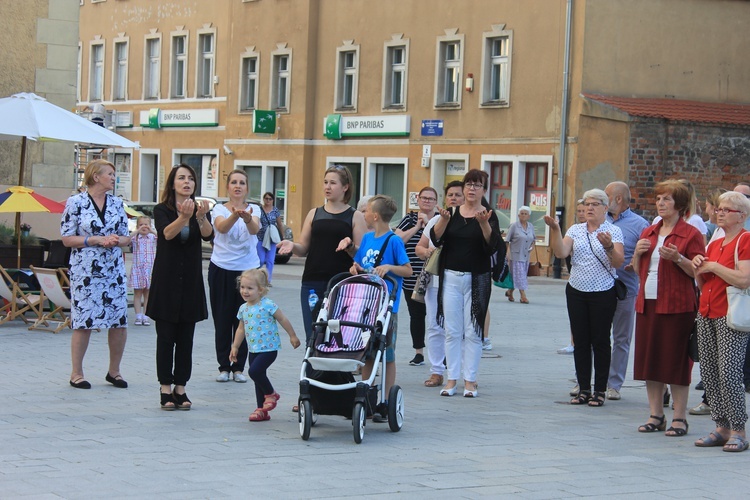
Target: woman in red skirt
666,306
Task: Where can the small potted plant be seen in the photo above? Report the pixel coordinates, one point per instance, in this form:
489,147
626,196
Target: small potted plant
25,230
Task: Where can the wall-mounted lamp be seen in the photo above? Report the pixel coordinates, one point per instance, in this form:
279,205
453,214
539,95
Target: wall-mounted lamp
470,82
227,151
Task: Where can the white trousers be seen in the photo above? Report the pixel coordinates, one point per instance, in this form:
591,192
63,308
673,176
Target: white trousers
435,335
462,344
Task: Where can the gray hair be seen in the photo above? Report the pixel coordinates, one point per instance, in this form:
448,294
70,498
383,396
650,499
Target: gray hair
362,204
524,209
598,195
737,200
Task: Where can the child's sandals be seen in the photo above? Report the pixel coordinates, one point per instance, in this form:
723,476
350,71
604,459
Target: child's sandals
259,415
271,401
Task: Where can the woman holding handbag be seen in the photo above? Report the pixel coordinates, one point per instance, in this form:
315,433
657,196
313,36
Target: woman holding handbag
270,234
521,239
721,347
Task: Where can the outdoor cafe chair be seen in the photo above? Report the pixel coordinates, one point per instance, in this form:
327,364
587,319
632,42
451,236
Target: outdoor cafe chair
52,288
18,303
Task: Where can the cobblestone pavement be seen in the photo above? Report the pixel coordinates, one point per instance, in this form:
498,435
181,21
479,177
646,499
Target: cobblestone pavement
519,437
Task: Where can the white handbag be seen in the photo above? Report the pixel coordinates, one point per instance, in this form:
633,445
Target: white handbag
738,300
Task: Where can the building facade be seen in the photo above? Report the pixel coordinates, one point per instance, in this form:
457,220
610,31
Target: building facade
405,93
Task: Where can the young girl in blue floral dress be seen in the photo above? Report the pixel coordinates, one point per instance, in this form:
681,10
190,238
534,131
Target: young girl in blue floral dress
259,319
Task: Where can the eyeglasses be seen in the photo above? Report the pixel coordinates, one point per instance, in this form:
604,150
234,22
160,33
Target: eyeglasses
430,200
727,211
593,204
472,185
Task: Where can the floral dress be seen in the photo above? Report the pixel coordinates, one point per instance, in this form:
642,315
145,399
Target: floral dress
98,282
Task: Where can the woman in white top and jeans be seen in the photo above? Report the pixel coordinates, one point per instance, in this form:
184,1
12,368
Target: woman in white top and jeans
236,223
596,248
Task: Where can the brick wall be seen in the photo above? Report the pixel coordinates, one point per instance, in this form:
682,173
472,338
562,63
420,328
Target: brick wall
708,156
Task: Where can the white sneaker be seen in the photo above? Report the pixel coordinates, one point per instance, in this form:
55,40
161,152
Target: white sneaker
613,394
240,377
487,344
575,391
223,377
566,350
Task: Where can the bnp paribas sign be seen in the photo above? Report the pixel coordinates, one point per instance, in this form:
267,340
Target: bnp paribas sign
339,126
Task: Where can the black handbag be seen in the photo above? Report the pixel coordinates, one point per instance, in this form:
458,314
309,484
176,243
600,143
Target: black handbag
620,289
693,343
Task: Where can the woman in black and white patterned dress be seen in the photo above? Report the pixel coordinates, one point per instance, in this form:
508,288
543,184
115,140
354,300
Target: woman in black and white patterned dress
94,224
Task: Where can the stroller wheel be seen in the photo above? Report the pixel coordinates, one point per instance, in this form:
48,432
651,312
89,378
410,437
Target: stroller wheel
358,422
305,417
395,408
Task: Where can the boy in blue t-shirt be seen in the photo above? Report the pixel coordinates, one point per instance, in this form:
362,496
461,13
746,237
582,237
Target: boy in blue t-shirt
380,210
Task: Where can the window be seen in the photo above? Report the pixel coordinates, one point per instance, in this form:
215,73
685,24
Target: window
389,180
179,67
249,83
96,72
120,79
152,69
536,195
205,65
394,77
346,76
281,73
501,191
254,177
449,67
495,83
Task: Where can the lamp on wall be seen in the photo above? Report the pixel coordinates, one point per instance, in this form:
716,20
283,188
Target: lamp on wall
470,82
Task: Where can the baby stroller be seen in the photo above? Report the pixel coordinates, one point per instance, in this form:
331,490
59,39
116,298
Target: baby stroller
352,323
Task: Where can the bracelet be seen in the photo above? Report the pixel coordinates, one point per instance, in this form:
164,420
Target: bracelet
86,241
609,249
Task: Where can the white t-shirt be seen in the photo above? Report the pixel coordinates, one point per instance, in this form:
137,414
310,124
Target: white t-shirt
235,250
651,287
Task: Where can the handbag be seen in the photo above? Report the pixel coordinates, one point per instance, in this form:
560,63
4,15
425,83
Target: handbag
506,282
274,231
693,343
271,236
535,268
420,288
621,290
432,265
738,300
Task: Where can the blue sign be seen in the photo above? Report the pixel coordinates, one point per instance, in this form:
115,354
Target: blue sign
432,127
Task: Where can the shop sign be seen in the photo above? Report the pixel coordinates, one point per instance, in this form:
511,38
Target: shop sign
338,126
264,122
162,118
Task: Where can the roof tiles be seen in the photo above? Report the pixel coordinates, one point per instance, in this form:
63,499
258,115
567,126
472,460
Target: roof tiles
679,110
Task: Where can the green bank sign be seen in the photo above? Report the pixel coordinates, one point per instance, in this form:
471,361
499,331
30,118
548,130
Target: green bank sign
162,118
339,126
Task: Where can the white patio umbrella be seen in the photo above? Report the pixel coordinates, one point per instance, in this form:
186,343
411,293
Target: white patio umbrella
28,116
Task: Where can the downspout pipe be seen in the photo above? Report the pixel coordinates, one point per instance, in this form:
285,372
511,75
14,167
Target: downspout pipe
560,198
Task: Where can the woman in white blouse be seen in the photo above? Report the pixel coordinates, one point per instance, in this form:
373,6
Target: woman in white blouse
596,249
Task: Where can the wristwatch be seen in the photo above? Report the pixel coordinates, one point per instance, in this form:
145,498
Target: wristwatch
679,259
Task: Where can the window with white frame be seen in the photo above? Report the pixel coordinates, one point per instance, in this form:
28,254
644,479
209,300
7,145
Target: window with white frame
152,68
347,70
449,66
120,71
395,66
495,83
249,82
206,54
390,181
281,73
96,72
178,81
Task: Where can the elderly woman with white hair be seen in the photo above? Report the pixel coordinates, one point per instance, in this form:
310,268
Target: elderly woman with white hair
521,240
596,250
722,349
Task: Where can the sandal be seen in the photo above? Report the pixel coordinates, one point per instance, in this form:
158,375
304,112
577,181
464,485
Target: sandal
524,301
597,400
167,401
677,431
259,415
737,443
651,427
270,401
583,398
181,401
509,294
435,380
713,439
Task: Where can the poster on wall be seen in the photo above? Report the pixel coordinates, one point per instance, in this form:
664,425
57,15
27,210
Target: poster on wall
123,176
210,181
538,201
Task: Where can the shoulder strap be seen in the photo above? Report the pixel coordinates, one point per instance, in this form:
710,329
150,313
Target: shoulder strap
588,238
736,250
382,250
